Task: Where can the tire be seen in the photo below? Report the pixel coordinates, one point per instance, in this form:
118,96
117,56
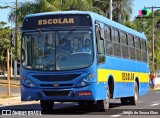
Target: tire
103,105
81,104
125,101
134,100
89,103
46,105
131,100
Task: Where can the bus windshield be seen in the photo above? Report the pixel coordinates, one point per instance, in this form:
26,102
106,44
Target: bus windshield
57,50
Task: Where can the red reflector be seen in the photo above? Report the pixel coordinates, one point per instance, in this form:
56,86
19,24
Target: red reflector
85,93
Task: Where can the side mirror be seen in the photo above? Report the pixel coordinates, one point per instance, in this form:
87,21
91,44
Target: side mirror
101,58
97,25
23,58
100,31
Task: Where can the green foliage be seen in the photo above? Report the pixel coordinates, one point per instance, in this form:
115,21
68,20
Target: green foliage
121,13
121,8
4,40
4,7
5,43
144,24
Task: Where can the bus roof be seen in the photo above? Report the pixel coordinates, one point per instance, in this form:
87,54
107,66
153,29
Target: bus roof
97,17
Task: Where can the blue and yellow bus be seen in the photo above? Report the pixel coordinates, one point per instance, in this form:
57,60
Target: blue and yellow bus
82,57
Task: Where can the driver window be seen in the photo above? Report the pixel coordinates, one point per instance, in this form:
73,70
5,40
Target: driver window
76,44
43,48
63,47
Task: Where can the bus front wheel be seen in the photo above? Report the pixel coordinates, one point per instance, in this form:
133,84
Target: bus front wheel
103,105
46,105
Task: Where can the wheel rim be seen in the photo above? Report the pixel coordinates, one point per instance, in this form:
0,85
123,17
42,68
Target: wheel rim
107,101
136,93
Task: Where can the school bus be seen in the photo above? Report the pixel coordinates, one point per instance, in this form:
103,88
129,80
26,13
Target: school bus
59,65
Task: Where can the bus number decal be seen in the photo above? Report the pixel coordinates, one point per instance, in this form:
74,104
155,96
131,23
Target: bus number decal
127,76
39,66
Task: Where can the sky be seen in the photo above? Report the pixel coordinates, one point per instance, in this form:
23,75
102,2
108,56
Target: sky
137,5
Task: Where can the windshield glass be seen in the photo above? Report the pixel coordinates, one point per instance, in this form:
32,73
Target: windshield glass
57,50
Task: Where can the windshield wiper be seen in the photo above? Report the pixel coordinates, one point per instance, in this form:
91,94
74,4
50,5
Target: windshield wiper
67,35
40,32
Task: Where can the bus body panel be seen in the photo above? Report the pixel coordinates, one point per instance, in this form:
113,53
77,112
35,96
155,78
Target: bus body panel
123,71
38,94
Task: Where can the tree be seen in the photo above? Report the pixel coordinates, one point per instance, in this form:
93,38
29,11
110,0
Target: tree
144,24
122,9
121,12
29,8
4,42
51,5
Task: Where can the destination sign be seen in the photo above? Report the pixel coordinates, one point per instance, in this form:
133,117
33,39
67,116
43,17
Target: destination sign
51,21
56,21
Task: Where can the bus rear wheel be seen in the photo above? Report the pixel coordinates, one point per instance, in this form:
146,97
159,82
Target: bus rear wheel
103,105
133,100
46,105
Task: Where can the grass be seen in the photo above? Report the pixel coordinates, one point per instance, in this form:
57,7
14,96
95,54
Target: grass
4,96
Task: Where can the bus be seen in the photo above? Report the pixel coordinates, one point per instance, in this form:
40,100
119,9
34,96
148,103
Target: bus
55,67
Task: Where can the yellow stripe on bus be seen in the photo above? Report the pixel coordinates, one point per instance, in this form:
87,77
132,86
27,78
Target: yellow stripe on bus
121,76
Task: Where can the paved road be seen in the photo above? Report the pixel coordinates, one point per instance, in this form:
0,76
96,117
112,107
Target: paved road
14,91
149,103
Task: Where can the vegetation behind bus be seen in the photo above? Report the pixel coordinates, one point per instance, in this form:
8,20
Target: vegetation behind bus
144,24
141,25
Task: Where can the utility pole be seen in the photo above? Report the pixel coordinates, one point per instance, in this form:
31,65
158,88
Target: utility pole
153,26
153,65
110,10
16,27
8,74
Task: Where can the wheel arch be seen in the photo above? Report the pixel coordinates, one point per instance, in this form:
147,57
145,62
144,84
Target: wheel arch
111,85
137,80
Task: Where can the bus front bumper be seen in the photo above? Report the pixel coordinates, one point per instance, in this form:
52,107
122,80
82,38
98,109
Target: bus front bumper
72,94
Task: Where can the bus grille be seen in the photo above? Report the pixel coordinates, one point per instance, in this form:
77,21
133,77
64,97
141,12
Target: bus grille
60,85
56,93
56,77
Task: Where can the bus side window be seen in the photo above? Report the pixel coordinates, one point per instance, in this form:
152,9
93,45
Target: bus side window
131,45
116,43
124,45
108,41
100,43
144,51
138,49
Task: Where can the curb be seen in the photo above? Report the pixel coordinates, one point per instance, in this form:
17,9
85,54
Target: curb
11,98
155,88
17,102
16,86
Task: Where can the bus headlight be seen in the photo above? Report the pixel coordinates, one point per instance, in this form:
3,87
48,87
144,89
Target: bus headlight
86,81
83,83
29,83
